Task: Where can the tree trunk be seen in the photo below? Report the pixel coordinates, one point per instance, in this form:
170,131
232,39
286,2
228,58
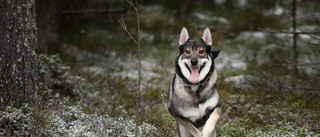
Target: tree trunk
294,26
19,64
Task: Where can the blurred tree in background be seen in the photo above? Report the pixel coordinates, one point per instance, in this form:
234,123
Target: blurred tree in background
19,70
88,66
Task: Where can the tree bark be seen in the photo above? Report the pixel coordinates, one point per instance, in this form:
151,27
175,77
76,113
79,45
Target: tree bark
19,64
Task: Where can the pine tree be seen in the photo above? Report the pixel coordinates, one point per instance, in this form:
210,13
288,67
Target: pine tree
19,64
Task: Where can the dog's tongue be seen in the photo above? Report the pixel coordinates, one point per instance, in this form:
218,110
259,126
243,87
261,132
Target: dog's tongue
194,74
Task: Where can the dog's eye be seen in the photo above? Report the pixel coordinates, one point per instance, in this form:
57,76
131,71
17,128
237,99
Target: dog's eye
187,51
201,51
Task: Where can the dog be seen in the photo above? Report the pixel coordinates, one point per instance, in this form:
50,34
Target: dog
194,100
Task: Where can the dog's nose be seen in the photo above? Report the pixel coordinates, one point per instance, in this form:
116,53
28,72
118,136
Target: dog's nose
194,62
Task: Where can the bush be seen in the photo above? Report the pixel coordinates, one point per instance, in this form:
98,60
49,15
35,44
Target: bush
17,121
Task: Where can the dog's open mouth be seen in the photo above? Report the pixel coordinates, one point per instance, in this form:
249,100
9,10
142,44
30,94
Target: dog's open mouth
195,72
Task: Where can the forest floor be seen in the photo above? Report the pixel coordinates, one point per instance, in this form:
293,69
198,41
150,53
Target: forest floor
89,89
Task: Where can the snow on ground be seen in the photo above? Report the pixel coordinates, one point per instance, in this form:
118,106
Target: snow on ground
125,67
204,17
73,122
237,80
230,61
254,46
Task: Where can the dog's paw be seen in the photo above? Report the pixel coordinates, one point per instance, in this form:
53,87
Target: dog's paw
219,110
209,134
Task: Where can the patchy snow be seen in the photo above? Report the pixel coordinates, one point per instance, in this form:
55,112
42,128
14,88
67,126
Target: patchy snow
280,118
278,10
219,1
96,70
230,61
250,34
71,121
125,67
305,37
237,80
211,18
130,69
242,2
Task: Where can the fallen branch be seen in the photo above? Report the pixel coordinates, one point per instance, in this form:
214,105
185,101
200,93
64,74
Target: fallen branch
305,89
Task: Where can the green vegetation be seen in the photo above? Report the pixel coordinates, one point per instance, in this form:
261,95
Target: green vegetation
88,85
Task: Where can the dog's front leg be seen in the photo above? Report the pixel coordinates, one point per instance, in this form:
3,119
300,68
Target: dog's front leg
189,126
209,127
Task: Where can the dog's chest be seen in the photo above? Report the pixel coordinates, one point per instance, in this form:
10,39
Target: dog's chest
194,113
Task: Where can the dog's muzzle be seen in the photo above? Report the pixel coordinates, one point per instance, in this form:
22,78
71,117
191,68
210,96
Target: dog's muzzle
194,62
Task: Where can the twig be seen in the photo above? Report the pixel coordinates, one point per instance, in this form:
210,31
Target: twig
310,34
139,68
289,62
287,32
314,37
298,33
311,65
123,25
295,88
310,43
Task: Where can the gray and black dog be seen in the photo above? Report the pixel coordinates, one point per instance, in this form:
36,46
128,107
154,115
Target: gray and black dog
194,99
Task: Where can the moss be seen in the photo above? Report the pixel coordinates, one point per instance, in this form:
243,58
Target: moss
98,66
17,121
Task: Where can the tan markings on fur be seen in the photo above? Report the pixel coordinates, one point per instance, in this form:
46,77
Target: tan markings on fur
209,127
194,52
189,126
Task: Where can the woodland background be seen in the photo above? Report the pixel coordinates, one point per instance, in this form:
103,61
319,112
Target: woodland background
268,67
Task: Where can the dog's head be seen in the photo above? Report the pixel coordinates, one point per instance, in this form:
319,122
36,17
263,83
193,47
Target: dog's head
195,61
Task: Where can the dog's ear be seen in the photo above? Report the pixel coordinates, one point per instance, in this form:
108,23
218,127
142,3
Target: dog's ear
206,37
215,53
184,36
